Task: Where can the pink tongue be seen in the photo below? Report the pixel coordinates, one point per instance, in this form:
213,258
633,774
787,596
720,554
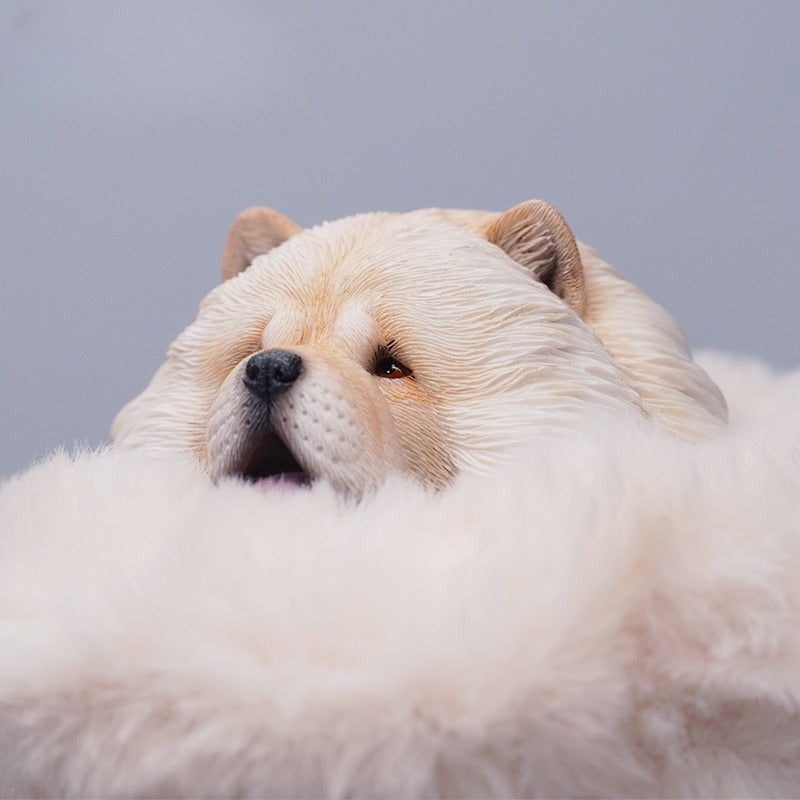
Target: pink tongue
283,480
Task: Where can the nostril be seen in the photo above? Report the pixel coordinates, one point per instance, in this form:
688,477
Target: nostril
287,370
252,368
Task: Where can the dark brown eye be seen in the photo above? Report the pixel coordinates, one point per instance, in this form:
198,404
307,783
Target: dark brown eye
390,367
386,364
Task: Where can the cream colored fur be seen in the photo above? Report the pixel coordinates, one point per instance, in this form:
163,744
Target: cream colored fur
499,360
615,614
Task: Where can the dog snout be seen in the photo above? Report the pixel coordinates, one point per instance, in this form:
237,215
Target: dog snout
271,372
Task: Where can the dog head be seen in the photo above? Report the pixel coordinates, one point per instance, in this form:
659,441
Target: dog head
425,343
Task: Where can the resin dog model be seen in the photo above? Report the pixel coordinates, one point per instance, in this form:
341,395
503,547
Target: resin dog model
427,343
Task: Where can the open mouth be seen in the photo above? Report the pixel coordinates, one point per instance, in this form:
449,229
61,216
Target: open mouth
270,463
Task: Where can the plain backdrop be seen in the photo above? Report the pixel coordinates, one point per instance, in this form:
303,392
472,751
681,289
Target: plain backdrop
132,133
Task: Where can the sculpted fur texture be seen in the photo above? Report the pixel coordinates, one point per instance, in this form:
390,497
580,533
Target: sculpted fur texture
428,343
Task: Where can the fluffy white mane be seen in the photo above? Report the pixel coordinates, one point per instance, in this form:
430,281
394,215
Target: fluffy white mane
614,615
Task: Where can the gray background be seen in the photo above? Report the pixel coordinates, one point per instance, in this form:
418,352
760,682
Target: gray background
132,133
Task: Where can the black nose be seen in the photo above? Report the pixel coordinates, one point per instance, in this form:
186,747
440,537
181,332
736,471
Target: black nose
271,372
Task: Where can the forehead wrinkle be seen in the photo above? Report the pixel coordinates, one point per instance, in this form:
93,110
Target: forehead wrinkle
355,332
304,307
284,328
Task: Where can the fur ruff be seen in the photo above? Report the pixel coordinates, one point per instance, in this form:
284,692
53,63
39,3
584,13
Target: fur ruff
616,615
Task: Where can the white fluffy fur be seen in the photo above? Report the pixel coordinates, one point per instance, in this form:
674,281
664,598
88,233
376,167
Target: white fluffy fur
617,615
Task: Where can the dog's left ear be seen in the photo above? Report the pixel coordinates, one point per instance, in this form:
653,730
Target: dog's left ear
536,236
255,232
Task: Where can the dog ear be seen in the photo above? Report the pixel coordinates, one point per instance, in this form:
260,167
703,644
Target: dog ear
255,232
536,236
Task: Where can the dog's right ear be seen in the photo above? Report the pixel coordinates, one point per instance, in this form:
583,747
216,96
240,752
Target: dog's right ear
255,232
